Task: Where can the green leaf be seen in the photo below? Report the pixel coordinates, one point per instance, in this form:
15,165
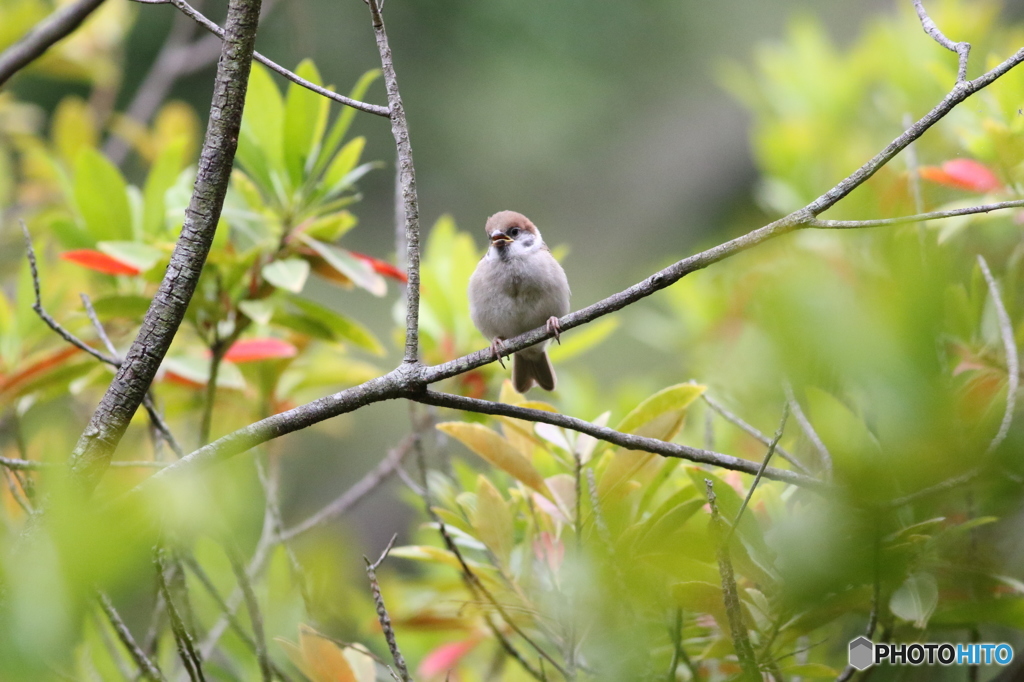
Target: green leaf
578,343
289,274
197,370
331,227
916,599
343,164
162,176
677,397
130,306
101,196
136,254
357,270
259,311
340,327
260,141
305,118
344,120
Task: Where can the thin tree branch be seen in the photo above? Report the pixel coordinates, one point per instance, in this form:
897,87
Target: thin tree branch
751,431
146,666
733,607
213,28
477,588
186,649
772,447
110,420
382,612
1010,348
808,429
253,606
112,359
849,671
962,50
33,465
211,589
47,318
948,484
43,36
920,217
407,175
626,440
148,402
356,493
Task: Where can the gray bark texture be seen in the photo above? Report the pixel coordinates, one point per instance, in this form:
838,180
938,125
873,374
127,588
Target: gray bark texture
97,444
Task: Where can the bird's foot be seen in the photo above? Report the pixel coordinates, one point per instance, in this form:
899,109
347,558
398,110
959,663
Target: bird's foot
555,328
497,348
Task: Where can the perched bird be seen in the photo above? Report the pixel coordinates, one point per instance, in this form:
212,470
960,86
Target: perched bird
518,286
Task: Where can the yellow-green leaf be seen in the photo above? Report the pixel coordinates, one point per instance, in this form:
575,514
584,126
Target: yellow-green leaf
677,397
493,520
496,450
101,195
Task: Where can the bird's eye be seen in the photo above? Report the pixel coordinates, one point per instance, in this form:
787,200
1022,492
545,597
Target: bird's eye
514,232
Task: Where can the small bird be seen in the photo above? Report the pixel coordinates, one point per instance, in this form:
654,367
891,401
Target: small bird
518,286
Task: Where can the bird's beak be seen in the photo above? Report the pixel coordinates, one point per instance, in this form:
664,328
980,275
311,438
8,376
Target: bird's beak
500,239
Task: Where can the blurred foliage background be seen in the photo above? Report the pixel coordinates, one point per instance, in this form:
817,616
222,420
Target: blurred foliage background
633,136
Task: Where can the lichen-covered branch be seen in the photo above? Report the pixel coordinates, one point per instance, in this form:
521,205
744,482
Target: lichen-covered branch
52,29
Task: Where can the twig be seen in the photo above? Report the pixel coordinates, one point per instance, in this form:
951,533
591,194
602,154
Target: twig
126,392
213,28
948,484
146,666
253,606
920,217
186,650
772,447
178,56
808,429
211,589
43,36
407,174
751,431
626,440
355,494
1010,348
382,612
14,485
45,316
411,379
148,401
869,631
113,359
961,49
477,587
733,608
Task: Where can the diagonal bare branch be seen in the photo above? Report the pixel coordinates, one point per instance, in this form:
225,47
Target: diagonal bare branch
213,28
1010,348
808,429
55,27
626,440
751,431
411,378
920,217
772,447
382,612
146,666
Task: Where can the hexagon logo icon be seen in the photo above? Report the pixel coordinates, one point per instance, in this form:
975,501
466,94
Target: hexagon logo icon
862,653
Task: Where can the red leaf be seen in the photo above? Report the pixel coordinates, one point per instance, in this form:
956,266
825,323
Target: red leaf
100,262
254,350
963,174
382,267
445,657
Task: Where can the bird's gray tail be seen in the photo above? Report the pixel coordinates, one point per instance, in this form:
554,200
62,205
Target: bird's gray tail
531,369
